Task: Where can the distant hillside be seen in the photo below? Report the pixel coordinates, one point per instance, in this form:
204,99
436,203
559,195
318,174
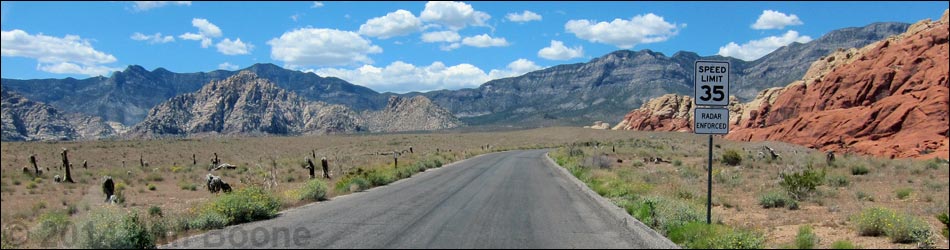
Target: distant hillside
127,95
607,87
27,120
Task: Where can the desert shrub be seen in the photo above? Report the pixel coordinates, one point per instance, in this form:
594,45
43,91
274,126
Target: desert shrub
31,185
838,181
946,223
664,214
244,205
110,228
901,228
155,211
903,193
802,184
806,238
52,227
844,244
208,220
677,163
314,190
859,170
731,157
379,178
774,199
699,235
155,177
347,183
151,187
872,221
905,228
933,164
188,186
862,196
120,192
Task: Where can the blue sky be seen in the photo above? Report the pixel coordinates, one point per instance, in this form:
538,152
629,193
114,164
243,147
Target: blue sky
406,46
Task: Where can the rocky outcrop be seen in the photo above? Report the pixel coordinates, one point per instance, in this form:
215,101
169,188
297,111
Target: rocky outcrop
245,104
26,120
599,125
889,98
409,114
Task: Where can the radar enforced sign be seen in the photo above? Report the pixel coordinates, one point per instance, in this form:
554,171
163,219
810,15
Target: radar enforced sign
712,83
713,121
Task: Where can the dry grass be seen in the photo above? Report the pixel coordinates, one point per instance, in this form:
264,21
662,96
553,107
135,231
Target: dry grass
179,185
917,188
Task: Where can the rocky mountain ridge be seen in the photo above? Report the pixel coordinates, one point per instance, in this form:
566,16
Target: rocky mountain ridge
889,98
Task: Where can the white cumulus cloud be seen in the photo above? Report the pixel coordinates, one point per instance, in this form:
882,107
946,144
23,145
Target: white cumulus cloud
67,55
316,4
771,19
441,36
525,16
450,47
147,5
206,32
624,33
401,77
484,40
515,68
227,66
454,15
755,49
322,47
557,51
152,39
236,47
397,23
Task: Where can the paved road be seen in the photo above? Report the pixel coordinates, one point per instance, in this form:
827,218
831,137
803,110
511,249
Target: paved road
515,199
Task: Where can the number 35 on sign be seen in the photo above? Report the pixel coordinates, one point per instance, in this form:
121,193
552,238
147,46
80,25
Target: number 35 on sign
712,83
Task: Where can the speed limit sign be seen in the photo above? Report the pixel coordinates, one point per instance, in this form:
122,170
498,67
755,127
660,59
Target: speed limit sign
712,83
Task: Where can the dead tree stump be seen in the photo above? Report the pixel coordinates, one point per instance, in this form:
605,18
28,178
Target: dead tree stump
69,177
326,168
36,170
311,167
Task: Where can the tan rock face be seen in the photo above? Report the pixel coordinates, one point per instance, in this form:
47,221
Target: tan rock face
409,114
889,99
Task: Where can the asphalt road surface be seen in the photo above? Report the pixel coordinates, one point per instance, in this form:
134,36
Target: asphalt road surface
515,199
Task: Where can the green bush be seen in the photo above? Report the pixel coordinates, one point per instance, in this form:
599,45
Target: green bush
802,184
731,157
245,205
314,190
151,187
901,228
379,177
208,220
844,244
838,181
806,238
903,193
155,211
859,170
664,214
699,235
906,228
862,196
52,227
776,199
872,221
111,228
946,224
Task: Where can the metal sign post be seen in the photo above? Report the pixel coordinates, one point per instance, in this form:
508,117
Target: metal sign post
711,90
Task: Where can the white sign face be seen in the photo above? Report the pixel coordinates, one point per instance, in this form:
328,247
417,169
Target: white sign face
712,83
711,121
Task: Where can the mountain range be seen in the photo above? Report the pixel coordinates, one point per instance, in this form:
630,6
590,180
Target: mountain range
889,98
604,88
